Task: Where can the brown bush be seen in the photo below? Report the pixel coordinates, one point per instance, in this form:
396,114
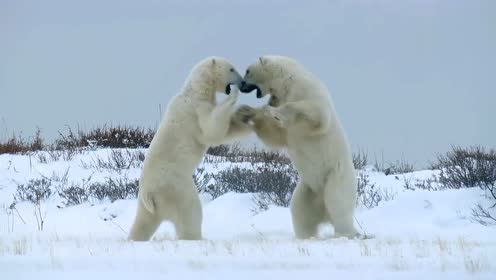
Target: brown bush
105,137
18,145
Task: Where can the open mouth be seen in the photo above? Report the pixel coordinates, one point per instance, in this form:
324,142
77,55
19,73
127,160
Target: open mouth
228,88
247,88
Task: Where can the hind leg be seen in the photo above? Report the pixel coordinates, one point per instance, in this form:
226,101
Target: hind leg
145,224
307,211
188,222
340,198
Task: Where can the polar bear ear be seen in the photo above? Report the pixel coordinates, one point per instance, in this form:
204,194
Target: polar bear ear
213,61
263,60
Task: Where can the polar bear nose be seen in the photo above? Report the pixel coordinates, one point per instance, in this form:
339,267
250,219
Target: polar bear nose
247,88
244,87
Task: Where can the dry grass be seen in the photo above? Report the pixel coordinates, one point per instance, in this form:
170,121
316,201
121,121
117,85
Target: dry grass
388,254
70,142
235,153
16,144
365,249
20,247
476,264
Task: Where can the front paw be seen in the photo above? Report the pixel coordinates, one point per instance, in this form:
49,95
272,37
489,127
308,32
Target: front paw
246,113
274,114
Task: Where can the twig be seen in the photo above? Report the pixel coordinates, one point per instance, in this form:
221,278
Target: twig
19,214
365,235
482,216
257,231
118,226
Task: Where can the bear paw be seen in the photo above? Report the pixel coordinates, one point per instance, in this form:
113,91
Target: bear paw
273,113
246,113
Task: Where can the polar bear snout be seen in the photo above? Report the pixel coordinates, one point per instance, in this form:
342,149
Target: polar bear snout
234,79
230,85
244,87
247,88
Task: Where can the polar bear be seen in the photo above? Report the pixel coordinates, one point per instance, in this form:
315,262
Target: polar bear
300,117
193,122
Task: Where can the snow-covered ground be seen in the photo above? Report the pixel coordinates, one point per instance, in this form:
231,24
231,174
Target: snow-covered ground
418,234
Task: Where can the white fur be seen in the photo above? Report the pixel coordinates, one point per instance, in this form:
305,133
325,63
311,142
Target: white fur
303,119
193,121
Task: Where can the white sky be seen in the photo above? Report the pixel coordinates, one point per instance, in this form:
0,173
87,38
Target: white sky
408,78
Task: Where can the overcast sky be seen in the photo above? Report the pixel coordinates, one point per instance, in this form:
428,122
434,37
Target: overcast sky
408,78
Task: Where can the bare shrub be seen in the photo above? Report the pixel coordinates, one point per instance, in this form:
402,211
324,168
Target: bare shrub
119,137
17,145
272,183
368,194
379,165
483,215
114,189
41,157
430,184
11,210
221,150
278,188
59,179
75,193
106,136
467,168
398,167
201,179
72,142
51,154
110,189
36,191
360,160
407,183
234,179
36,143
117,160
264,156
67,154
54,155
67,141
234,153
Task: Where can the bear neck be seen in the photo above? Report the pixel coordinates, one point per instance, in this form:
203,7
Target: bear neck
280,88
201,89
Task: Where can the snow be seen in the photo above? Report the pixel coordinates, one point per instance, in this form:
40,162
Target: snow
418,233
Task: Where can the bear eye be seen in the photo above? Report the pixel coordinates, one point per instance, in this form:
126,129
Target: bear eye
232,69
247,71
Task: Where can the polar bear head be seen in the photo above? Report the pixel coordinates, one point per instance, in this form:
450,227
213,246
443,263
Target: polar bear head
271,74
213,74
